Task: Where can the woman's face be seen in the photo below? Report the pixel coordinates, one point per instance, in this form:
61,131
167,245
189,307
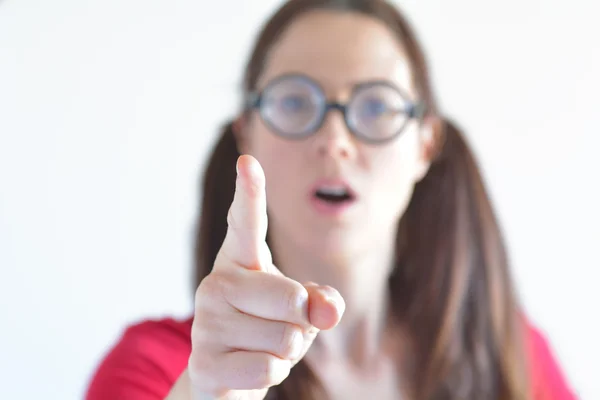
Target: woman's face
303,177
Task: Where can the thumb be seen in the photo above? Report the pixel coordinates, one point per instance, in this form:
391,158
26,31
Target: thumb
325,306
325,309
247,218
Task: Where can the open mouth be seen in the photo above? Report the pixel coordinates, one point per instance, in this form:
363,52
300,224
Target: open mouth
334,194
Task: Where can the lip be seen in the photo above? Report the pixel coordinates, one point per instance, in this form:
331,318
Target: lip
328,208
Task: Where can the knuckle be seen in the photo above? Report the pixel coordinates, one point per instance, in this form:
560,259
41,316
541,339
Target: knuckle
208,288
205,333
236,223
290,341
200,370
254,187
212,289
239,229
295,297
231,221
269,372
198,363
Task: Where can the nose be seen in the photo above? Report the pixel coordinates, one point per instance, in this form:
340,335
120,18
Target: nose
333,138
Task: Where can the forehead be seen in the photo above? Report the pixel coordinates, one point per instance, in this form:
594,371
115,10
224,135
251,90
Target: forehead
339,50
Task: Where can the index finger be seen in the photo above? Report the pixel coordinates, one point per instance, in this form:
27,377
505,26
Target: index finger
247,217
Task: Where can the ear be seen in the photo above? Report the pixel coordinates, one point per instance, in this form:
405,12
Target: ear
239,133
430,138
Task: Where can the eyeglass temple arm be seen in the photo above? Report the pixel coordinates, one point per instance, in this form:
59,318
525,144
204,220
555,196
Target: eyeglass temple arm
253,100
416,110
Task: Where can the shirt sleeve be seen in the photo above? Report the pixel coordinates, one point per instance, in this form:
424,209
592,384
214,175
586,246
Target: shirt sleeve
547,379
143,365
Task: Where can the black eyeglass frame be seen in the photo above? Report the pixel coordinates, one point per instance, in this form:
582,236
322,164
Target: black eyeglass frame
414,110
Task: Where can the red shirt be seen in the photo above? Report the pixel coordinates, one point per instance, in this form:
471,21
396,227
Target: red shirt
151,355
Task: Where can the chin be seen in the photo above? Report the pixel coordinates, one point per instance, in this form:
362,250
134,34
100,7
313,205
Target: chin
335,242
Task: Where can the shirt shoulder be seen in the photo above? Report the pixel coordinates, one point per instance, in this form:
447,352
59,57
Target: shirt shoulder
145,362
548,381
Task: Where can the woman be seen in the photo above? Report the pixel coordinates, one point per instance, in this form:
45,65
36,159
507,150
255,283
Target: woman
392,280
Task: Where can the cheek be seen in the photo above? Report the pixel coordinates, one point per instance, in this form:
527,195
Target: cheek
279,159
267,148
396,167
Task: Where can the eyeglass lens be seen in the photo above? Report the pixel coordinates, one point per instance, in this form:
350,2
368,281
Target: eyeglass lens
296,106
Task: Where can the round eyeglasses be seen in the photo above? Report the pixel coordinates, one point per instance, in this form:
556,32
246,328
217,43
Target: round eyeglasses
295,107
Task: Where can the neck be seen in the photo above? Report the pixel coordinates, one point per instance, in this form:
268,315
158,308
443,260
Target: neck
362,280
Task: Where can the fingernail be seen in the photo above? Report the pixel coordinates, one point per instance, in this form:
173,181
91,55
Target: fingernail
331,299
332,296
254,169
237,166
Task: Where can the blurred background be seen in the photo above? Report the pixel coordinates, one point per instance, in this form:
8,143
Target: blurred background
108,109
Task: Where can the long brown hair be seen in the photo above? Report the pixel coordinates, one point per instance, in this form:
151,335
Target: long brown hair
451,285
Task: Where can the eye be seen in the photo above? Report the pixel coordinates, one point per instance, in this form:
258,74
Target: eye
373,107
294,103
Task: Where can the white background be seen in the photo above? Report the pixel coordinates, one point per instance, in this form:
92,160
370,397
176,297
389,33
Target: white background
107,109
